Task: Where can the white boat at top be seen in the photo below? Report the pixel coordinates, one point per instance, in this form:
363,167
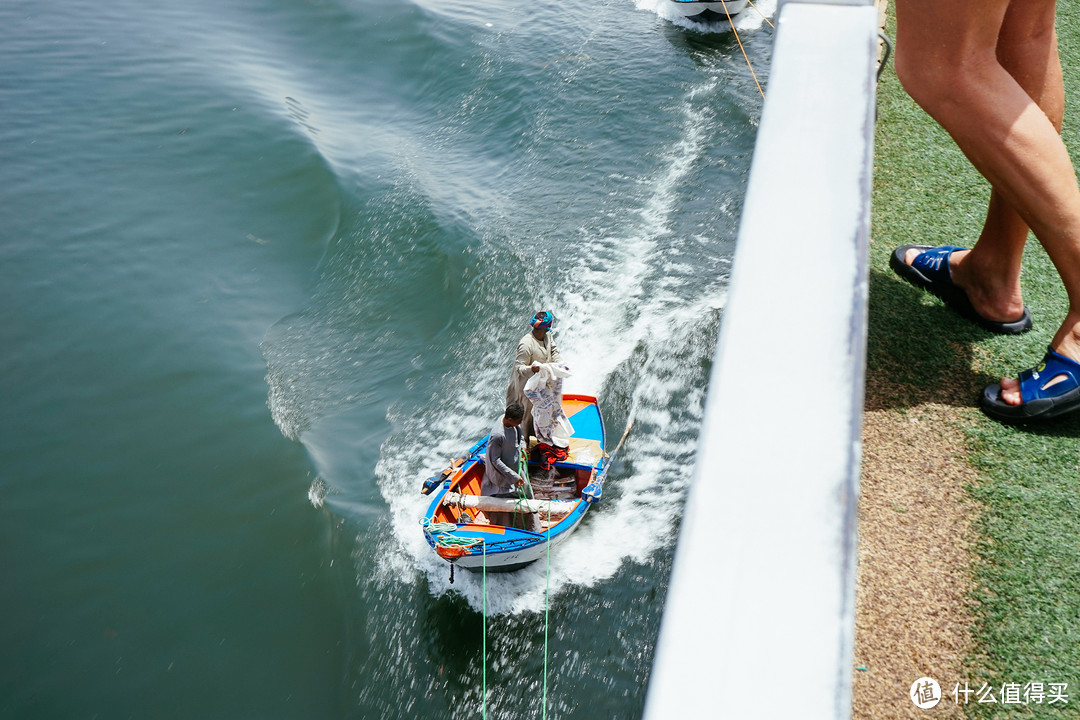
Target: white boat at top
708,11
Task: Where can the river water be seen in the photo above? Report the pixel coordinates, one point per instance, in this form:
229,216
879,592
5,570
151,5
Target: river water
264,266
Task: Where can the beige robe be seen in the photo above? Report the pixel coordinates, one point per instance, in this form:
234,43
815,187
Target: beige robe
529,350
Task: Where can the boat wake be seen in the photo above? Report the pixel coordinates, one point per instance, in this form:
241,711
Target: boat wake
406,345
638,310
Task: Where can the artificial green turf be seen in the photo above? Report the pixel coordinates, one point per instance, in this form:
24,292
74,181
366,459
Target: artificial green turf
1028,567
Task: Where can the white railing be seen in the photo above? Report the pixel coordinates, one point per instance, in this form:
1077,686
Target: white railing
759,617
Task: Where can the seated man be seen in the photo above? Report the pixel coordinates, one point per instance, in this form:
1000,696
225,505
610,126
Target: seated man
501,471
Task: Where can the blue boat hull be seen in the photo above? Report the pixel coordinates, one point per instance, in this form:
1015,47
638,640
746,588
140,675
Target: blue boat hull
460,535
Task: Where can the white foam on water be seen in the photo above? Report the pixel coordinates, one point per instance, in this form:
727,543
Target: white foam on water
638,316
633,520
317,492
616,315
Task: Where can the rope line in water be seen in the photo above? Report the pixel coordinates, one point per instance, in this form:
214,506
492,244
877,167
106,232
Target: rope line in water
751,3
438,530
547,605
483,699
739,40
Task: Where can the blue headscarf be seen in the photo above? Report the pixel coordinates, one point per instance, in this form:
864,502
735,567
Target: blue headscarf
543,320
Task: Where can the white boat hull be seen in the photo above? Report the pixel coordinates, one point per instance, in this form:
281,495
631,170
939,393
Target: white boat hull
707,10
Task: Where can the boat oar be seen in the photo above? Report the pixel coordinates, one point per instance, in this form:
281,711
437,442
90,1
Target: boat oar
595,490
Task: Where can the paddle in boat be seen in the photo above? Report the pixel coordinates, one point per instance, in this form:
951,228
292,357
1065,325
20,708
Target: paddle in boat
456,523
708,11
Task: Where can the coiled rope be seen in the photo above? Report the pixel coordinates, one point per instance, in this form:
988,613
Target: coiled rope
437,528
452,541
438,532
449,547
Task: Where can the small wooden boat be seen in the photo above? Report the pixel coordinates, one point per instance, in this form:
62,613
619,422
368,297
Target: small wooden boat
708,11
456,525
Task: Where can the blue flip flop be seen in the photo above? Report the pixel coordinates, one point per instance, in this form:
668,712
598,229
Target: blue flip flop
930,271
1041,398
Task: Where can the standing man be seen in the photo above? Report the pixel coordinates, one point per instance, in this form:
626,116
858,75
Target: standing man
537,346
502,476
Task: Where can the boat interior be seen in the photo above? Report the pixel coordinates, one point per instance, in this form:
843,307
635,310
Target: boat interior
561,482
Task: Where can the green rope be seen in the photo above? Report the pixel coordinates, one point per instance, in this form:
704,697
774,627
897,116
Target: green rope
436,529
547,590
523,469
483,700
469,542
524,492
454,541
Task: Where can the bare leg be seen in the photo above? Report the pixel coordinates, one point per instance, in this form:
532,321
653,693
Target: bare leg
996,90
990,272
1027,49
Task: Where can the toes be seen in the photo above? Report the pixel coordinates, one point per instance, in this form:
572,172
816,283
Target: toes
1010,391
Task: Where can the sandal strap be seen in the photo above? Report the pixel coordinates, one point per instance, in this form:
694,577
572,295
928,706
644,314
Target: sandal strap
1033,381
934,263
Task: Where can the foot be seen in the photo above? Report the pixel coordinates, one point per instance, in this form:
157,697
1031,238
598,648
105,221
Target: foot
993,297
1066,342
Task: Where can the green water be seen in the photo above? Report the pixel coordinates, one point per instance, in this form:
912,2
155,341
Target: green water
262,269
